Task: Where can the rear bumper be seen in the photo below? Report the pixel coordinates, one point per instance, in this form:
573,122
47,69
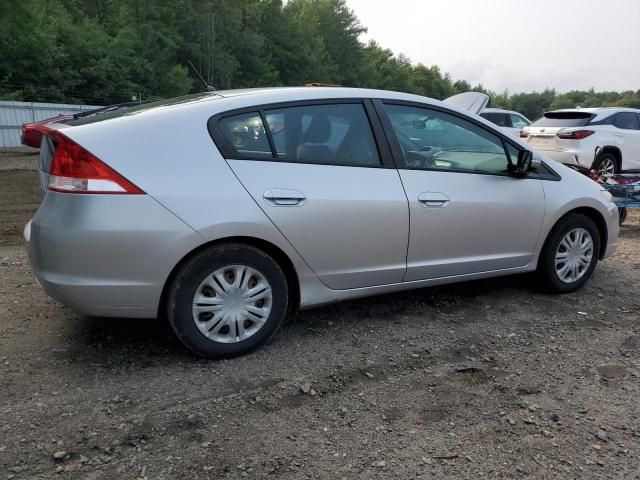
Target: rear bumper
106,255
571,157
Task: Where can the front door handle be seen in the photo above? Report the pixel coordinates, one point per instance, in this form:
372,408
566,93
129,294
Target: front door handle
433,199
283,197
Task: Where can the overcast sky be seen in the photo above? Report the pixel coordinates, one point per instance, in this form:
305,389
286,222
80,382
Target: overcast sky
514,44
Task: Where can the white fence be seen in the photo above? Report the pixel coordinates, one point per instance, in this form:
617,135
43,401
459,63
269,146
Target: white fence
14,114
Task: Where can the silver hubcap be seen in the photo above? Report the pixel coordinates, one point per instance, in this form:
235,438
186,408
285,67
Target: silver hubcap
607,167
232,304
574,255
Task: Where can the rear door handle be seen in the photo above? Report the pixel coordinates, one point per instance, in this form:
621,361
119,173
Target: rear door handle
433,199
283,197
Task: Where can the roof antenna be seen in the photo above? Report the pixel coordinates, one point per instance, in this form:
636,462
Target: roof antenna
207,87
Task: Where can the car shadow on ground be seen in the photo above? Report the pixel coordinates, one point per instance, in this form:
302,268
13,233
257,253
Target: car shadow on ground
149,342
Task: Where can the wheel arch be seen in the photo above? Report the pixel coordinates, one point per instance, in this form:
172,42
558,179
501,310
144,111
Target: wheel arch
613,150
597,218
280,257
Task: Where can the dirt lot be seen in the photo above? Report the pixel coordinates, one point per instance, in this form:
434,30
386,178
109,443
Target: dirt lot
488,379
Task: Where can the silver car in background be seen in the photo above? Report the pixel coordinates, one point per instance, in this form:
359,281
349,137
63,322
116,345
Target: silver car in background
510,121
228,211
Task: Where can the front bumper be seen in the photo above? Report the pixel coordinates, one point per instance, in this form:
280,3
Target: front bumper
613,229
106,255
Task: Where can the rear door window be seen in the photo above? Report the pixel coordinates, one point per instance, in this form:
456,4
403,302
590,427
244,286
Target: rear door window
331,134
499,119
626,121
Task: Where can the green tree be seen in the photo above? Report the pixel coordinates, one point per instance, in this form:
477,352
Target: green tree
108,51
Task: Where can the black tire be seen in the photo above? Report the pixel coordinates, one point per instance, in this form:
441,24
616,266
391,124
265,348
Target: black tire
195,270
605,159
546,264
622,212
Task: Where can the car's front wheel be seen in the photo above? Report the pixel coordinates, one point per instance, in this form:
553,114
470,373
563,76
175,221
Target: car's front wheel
570,254
227,300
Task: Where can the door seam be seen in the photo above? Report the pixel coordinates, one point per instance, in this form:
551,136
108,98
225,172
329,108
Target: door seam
274,224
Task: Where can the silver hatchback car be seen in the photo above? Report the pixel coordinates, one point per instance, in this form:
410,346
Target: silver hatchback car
228,211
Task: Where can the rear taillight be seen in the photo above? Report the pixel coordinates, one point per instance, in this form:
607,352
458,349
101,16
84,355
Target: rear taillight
575,135
76,170
523,134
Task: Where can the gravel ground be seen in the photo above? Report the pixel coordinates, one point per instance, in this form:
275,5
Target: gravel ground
487,379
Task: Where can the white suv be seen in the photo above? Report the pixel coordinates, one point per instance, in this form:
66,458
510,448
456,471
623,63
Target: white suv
606,139
510,121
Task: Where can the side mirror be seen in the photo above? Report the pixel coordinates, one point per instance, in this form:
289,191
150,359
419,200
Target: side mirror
525,158
527,162
536,162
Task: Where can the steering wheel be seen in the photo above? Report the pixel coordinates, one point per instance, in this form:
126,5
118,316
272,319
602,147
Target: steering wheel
422,157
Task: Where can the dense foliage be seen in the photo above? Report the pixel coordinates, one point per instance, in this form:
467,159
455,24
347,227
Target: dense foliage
110,51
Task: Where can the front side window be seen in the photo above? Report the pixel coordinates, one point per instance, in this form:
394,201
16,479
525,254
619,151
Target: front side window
626,120
518,121
337,134
246,136
435,140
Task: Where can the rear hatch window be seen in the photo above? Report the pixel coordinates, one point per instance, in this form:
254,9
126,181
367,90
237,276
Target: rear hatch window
563,119
113,112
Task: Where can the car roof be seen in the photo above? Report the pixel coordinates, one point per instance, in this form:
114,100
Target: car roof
224,100
598,110
205,105
275,94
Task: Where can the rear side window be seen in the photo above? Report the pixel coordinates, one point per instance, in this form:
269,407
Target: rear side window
337,134
563,119
499,119
329,134
626,120
246,136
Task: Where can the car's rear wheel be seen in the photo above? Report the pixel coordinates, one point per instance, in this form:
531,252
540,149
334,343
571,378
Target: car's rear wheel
570,254
227,300
606,164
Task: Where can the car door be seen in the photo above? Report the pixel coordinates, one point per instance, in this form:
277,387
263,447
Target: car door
627,134
316,171
467,213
